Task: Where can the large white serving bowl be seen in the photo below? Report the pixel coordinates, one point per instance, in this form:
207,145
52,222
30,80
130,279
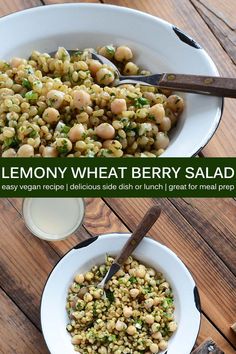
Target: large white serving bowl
158,46
92,252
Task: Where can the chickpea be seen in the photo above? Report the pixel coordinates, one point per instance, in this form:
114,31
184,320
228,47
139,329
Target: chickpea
149,319
131,68
97,293
107,51
175,103
157,335
155,327
162,141
63,145
150,96
88,297
55,98
131,330
140,272
157,112
80,146
118,105
165,125
172,326
127,311
89,276
76,339
164,285
15,62
154,348
123,53
105,76
51,115
134,293
49,151
76,132
81,99
79,278
163,345
94,66
120,326
26,150
9,153
148,303
105,131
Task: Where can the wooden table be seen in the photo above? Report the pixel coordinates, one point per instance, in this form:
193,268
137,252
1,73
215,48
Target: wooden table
201,231
210,22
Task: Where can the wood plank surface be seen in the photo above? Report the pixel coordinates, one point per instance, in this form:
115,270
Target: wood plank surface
217,18
211,274
7,7
208,346
215,220
25,262
109,213
178,12
18,335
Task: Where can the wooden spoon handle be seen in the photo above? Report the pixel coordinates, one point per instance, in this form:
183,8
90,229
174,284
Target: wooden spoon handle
144,226
212,85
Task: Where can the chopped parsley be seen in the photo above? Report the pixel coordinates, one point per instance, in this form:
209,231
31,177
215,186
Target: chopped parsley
169,301
11,142
33,134
31,95
65,129
133,280
110,296
140,102
151,117
26,84
63,149
110,49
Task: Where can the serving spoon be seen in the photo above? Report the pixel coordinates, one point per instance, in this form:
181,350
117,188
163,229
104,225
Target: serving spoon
133,241
206,85
210,85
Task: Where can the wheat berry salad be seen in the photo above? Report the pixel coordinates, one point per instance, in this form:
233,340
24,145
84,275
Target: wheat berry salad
135,316
65,106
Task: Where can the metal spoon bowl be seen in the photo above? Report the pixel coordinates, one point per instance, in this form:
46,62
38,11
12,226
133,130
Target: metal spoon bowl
141,230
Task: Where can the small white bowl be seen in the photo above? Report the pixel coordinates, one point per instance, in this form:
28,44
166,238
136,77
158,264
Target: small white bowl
158,46
92,252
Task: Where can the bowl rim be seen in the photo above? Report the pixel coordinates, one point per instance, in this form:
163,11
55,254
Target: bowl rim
86,242
218,115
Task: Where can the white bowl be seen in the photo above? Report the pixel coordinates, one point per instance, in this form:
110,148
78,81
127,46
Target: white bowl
158,46
92,252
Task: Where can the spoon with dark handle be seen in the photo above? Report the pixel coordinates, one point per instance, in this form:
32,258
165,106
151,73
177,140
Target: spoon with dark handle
133,241
206,85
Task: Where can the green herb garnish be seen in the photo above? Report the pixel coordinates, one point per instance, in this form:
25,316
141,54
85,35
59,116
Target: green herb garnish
26,84
63,149
31,95
133,280
65,129
110,49
33,134
138,324
110,295
140,102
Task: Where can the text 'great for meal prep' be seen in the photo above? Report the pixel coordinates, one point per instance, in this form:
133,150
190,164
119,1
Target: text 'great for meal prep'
121,172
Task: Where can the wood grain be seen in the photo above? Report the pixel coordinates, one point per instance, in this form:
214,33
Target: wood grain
219,24
211,274
18,335
7,7
50,2
177,12
25,262
216,227
108,213
208,346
